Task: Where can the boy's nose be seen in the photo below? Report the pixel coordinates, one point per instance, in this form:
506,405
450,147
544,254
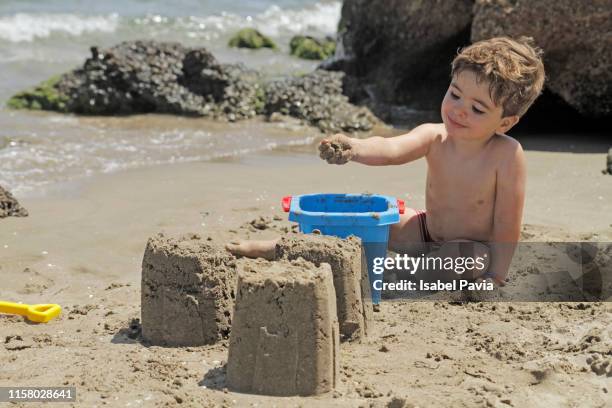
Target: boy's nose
460,113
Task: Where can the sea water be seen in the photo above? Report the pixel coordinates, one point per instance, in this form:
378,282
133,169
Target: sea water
41,39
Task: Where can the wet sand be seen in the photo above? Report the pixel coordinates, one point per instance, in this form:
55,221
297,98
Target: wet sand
83,243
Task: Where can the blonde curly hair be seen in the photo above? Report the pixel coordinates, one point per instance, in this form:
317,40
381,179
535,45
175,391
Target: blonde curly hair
513,69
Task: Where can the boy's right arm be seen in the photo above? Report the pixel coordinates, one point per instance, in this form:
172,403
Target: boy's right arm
379,151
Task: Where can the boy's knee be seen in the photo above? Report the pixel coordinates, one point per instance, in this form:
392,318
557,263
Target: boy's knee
405,234
482,257
473,249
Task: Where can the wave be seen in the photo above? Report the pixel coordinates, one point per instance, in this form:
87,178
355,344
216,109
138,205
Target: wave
322,18
70,151
319,18
23,27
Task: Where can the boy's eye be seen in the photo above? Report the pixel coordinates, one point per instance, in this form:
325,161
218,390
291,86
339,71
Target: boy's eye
454,95
476,110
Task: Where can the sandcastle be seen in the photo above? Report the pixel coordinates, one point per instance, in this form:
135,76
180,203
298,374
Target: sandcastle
284,339
187,291
349,271
289,314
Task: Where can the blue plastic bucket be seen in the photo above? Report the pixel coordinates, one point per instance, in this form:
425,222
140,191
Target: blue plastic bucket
367,216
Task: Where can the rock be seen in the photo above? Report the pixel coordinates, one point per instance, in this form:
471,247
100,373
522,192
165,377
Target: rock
236,91
251,38
317,98
285,335
609,162
188,288
131,77
147,76
577,51
9,206
399,52
307,47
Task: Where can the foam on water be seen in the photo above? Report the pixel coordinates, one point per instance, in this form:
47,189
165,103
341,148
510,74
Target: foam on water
43,154
320,18
27,27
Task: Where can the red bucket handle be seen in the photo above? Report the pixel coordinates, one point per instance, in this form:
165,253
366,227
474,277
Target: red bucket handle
286,203
401,206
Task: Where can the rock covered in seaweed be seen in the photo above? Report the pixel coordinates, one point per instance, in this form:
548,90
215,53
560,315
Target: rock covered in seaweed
9,206
307,47
251,38
317,98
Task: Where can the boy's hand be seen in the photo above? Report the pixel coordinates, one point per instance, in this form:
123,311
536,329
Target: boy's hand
337,149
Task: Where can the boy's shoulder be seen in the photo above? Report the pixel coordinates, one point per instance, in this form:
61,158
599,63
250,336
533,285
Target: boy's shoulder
505,144
507,154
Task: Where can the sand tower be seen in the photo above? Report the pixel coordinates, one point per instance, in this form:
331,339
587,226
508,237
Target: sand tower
187,291
284,338
353,300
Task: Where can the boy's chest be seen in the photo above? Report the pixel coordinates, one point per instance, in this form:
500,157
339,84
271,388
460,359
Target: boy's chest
471,181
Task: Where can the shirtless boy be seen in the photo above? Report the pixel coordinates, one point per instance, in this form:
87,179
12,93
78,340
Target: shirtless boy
476,174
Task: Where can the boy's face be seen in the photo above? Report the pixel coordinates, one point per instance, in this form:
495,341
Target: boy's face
468,112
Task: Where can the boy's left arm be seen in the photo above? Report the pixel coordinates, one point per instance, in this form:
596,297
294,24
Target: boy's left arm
508,212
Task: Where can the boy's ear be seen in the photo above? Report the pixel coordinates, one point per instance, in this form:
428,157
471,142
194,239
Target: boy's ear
507,123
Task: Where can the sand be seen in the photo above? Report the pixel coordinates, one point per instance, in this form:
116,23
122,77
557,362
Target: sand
336,152
82,247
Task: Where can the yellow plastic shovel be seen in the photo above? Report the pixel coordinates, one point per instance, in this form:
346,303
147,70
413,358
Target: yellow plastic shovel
35,313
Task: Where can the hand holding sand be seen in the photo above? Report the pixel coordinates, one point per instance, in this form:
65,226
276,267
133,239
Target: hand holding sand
337,149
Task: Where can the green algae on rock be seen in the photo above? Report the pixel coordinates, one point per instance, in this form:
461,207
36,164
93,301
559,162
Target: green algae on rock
307,47
251,38
44,96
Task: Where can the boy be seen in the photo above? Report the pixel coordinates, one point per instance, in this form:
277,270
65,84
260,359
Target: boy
476,174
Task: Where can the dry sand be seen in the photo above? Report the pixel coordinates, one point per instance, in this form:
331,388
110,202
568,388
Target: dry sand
82,247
